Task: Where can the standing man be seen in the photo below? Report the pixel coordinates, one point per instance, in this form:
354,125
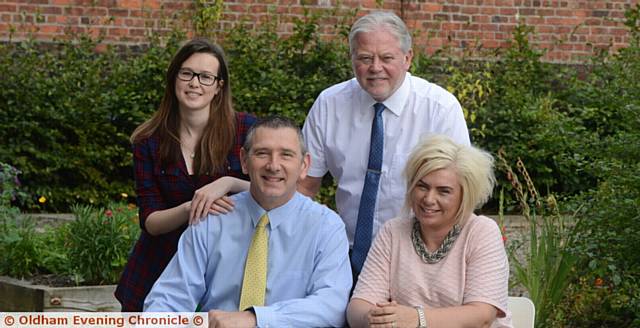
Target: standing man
363,130
278,260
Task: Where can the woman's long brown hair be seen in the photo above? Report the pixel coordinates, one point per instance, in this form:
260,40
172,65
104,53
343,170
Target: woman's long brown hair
219,134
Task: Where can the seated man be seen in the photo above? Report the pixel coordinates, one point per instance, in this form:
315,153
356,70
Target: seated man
279,259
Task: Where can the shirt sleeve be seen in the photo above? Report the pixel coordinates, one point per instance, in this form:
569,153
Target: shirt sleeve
147,190
328,293
313,132
488,268
182,284
374,281
455,125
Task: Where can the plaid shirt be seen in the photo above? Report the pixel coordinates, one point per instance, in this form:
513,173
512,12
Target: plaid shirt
160,188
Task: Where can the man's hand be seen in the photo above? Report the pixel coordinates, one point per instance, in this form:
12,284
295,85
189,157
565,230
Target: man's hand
223,319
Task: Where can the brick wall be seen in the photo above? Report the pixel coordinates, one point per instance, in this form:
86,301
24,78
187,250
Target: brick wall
569,29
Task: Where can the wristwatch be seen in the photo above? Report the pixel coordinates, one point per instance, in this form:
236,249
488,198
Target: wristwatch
422,320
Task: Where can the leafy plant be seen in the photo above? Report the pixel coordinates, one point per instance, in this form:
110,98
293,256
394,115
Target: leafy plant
19,244
9,185
546,270
67,114
99,242
275,75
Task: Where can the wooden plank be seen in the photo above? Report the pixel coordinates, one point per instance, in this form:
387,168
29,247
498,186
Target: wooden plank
81,299
22,296
19,296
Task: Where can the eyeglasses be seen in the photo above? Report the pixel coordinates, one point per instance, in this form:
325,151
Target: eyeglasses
204,78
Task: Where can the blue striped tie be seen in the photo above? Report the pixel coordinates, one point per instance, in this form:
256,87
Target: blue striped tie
364,227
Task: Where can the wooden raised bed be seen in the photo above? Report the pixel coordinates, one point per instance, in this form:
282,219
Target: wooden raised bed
22,296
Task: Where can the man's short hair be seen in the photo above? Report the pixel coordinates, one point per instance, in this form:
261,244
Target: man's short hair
274,122
390,21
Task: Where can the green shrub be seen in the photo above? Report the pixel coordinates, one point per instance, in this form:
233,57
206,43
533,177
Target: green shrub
19,244
10,185
272,75
67,114
99,242
92,249
592,302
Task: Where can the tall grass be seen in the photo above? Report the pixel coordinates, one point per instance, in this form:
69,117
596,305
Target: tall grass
546,268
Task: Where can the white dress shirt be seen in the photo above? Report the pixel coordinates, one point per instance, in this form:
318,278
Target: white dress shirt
337,133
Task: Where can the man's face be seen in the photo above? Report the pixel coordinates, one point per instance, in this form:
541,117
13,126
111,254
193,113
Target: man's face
274,163
379,64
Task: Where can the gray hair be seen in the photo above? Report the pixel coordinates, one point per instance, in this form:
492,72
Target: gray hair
390,21
473,166
274,122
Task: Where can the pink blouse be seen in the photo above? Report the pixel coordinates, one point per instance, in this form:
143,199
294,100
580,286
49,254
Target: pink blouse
476,269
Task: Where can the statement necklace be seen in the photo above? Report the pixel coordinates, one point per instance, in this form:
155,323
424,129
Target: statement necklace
441,252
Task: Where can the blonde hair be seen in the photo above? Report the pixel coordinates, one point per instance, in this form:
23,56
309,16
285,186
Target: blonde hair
473,166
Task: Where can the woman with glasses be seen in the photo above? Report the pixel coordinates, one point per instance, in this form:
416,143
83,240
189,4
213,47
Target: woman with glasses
439,265
185,156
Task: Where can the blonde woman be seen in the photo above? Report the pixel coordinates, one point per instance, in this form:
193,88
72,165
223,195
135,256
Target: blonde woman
440,265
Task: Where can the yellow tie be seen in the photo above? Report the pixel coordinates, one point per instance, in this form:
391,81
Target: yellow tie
254,284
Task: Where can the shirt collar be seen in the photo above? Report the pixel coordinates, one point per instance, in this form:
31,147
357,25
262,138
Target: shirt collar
396,102
276,215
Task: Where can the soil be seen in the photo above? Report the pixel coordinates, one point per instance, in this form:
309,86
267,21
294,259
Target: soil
53,280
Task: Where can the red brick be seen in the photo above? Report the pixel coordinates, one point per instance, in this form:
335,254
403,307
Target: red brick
489,10
545,12
258,8
464,20
5,8
95,11
545,29
609,22
137,32
526,11
491,44
446,26
563,21
505,28
431,7
117,31
470,10
129,4
508,11
504,3
489,27
480,19
534,21
151,4
619,32
460,18
450,9
118,12
51,10
133,22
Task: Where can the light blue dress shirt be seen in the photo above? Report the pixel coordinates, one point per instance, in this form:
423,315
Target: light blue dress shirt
308,274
